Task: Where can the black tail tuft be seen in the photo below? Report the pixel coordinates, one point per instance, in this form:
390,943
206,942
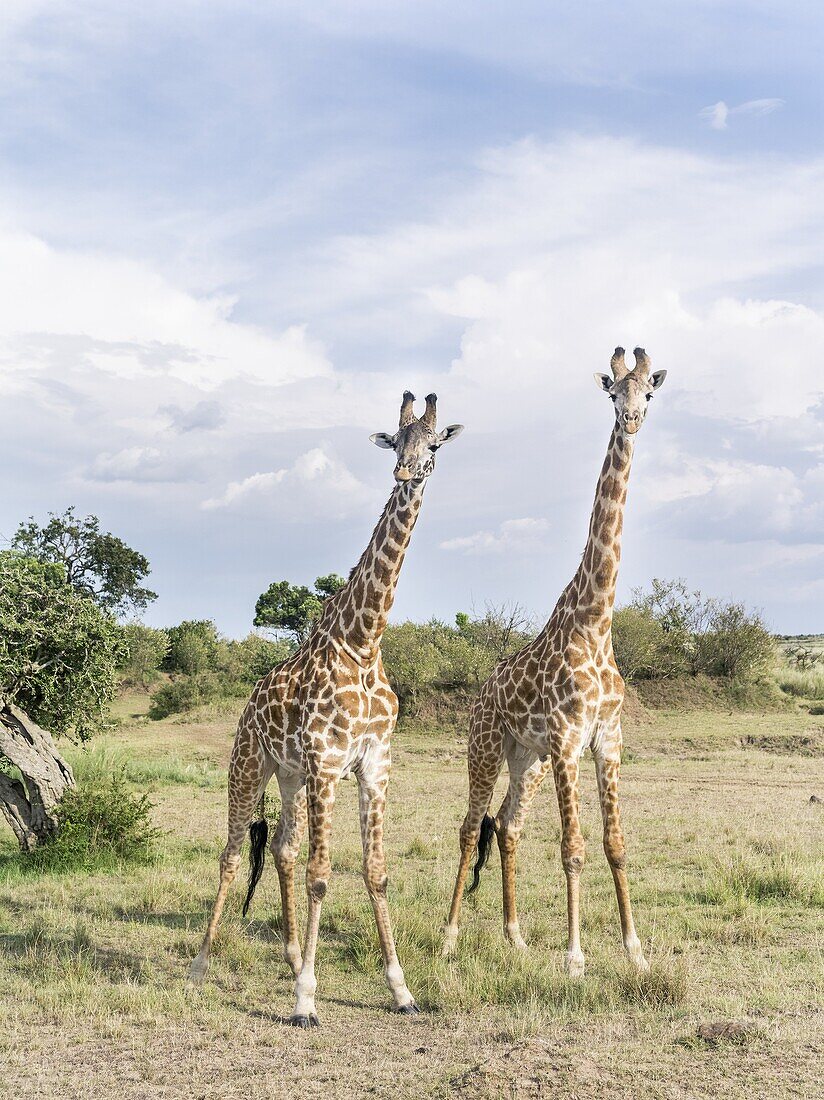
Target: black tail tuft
258,835
484,842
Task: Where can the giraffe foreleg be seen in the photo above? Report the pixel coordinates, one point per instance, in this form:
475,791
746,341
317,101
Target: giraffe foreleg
285,847
320,793
249,772
607,767
373,783
573,852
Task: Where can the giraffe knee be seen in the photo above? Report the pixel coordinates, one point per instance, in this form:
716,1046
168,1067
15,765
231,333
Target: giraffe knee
284,856
317,879
376,880
573,854
469,835
615,851
229,863
508,835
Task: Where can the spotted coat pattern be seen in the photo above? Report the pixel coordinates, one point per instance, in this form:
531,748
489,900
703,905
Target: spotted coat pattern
324,714
561,694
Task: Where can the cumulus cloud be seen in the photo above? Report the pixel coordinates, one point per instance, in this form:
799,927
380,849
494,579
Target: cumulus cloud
513,536
134,464
315,480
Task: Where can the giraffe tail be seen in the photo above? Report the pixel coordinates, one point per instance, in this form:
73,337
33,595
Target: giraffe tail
258,834
484,843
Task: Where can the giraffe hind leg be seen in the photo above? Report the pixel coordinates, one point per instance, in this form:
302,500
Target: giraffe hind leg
285,847
249,772
485,760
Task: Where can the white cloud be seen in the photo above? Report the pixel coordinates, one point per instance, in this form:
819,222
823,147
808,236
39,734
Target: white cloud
513,536
718,114
135,464
315,484
522,281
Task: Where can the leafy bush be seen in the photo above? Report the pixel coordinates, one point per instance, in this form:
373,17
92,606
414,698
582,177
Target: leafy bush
193,647
671,631
253,657
146,650
209,669
101,823
737,645
639,643
422,658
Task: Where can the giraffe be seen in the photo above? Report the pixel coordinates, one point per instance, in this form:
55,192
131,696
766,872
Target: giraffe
327,712
543,706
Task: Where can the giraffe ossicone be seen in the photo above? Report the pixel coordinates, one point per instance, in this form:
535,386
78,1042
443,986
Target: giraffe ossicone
326,712
541,708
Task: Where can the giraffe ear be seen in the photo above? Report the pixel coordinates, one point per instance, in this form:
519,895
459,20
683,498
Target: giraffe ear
605,382
383,439
658,378
450,432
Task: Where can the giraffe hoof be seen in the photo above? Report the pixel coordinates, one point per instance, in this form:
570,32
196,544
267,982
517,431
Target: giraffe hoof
304,1022
408,1010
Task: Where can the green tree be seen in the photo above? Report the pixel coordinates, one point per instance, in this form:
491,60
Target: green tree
294,608
59,655
96,563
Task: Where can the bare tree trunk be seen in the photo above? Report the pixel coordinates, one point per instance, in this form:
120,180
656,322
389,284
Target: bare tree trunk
29,807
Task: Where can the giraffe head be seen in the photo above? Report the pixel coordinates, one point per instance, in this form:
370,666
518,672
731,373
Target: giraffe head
630,390
416,440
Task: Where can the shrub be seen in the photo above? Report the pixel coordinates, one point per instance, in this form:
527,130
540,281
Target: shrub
253,657
639,643
185,693
411,661
737,645
146,650
193,647
101,823
670,631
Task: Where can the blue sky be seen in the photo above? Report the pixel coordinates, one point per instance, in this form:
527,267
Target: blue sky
233,233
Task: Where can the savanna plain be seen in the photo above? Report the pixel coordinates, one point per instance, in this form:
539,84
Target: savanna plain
723,820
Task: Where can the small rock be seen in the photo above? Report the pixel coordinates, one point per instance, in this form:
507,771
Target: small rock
814,798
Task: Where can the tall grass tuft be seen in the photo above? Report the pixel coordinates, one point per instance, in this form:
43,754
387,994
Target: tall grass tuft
101,825
766,871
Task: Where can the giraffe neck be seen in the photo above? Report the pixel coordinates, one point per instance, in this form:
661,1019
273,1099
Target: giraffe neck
358,614
592,589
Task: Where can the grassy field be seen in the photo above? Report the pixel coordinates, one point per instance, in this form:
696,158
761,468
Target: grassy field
728,882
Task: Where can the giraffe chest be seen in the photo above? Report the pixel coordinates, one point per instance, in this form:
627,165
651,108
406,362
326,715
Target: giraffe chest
564,701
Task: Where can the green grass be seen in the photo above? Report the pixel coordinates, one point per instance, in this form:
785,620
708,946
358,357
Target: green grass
725,871
807,684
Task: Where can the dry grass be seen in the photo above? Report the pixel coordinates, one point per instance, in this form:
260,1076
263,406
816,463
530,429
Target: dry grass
726,875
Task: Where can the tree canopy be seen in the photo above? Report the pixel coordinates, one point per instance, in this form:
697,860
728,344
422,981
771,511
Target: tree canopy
294,608
96,564
59,651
